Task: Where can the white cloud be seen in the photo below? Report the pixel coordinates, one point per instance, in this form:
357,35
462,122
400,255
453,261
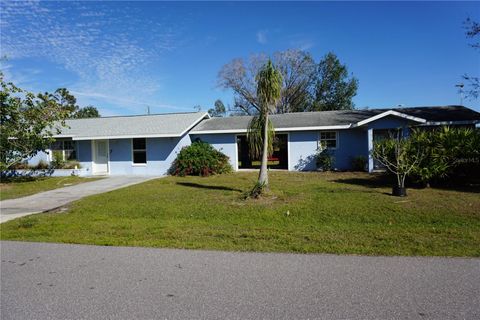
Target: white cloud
300,42
108,47
262,36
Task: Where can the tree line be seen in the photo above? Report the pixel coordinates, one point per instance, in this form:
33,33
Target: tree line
306,85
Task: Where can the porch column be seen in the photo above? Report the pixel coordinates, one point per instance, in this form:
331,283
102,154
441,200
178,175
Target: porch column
370,149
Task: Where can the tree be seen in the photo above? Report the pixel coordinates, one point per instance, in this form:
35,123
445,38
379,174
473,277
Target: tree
65,100
296,67
261,131
28,123
298,73
68,102
219,109
87,112
334,90
399,157
472,31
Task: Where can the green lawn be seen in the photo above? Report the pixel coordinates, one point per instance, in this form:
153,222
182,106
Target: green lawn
328,212
12,190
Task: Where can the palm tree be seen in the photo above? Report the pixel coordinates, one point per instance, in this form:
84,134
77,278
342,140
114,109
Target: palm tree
260,130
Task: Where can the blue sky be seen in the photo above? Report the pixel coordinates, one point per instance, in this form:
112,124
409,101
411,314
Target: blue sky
125,56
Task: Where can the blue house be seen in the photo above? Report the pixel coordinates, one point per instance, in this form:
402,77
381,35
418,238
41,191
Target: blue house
148,144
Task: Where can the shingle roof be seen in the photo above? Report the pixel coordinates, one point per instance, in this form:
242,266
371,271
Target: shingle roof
443,113
340,118
158,125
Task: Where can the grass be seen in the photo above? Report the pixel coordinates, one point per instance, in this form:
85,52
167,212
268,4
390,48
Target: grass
346,213
17,189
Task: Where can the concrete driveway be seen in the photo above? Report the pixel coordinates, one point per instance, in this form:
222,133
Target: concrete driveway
49,200
59,281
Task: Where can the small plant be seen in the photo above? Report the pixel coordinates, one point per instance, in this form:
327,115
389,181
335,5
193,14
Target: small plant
324,159
58,161
200,159
359,163
400,157
256,191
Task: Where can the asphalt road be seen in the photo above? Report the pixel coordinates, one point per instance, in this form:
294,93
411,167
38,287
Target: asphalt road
56,281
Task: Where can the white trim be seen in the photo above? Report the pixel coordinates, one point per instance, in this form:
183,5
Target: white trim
288,151
390,113
338,127
446,123
337,139
195,123
239,131
94,154
127,137
370,148
236,152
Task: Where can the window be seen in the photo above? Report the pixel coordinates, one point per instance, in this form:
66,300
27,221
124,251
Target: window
139,146
69,152
328,139
65,149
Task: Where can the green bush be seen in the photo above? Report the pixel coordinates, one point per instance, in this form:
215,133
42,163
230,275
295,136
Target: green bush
452,153
58,161
200,159
359,163
324,159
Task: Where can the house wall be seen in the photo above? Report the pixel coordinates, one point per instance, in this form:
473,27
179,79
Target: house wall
351,143
303,147
84,155
42,156
161,152
225,143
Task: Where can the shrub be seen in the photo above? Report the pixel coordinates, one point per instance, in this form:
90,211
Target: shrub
200,159
324,159
41,165
58,161
452,153
359,163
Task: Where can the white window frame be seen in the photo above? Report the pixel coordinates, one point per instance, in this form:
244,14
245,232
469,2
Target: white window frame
133,151
319,142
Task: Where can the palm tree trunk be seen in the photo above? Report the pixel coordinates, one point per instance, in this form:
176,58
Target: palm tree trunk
263,176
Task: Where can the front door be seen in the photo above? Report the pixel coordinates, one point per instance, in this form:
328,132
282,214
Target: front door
100,157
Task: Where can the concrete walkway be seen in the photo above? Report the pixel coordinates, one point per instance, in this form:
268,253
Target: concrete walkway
60,281
49,200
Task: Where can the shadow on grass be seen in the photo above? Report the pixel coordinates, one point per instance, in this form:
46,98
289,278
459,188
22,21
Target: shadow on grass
368,182
388,181
202,186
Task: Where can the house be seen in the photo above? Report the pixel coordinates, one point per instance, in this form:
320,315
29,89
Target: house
125,145
148,144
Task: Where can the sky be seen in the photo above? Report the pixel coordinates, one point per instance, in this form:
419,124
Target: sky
123,57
